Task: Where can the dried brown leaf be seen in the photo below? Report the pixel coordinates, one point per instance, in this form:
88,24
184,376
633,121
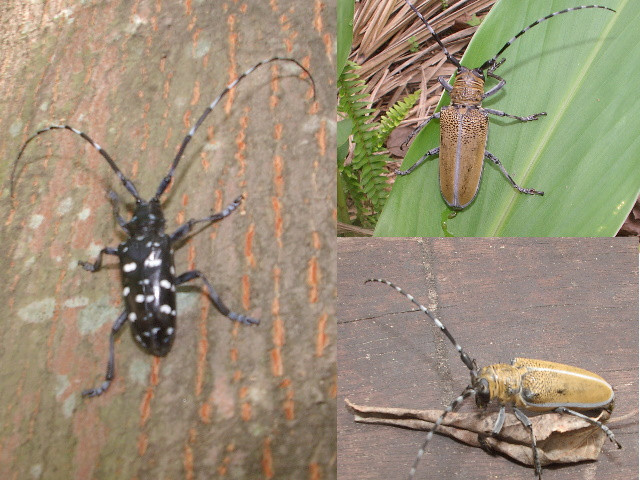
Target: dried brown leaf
560,438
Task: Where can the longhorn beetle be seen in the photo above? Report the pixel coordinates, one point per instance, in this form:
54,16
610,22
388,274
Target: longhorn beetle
464,123
146,258
533,385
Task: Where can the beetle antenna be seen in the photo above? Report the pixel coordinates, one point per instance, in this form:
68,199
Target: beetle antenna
451,58
466,359
452,406
167,179
128,184
491,61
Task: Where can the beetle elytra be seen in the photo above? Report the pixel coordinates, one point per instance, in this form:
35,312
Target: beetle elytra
464,123
525,384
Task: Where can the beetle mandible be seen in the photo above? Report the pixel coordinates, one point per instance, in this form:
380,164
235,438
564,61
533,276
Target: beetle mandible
533,385
464,123
147,268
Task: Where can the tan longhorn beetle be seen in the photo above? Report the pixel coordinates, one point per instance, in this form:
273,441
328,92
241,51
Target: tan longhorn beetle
525,384
464,124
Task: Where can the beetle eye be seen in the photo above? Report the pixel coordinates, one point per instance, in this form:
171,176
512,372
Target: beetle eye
482,392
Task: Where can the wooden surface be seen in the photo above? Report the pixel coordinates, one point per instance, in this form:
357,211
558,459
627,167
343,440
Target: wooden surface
573,301
228,401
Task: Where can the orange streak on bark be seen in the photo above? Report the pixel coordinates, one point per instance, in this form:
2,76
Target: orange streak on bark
321,138
246,292
187,462
276,363
289,406
267,459
312,279
321,337
196,93
278,167
145,406
314,471
278,220
277,131
205,412
143,443
246,411
203,347
318,6
191,257
233,42
248,245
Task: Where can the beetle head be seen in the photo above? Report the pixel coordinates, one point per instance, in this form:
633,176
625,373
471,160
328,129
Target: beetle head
483,394
147,218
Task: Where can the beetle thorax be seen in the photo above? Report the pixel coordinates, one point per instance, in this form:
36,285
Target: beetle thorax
468,88
504,383
147,219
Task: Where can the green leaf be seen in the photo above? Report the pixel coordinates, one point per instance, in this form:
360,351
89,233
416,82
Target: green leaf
345,32
579,67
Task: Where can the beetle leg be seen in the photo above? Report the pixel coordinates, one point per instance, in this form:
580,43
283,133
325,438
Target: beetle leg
187,227
527,423
445,83
494,159
217,302
497,428
94,267
418,128
522,119
494,65
434,151
501,83
604,428
115,205
94,392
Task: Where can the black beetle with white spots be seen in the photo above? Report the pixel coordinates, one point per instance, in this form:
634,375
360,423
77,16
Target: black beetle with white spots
147,269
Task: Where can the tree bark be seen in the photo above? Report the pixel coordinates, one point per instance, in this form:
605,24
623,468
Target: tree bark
229,401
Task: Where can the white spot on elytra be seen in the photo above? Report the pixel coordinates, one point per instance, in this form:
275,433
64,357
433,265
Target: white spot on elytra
129,267
165,283
155,330
172,270
125,291
152,260
170,331
165,309
139,298
133,317
150,298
